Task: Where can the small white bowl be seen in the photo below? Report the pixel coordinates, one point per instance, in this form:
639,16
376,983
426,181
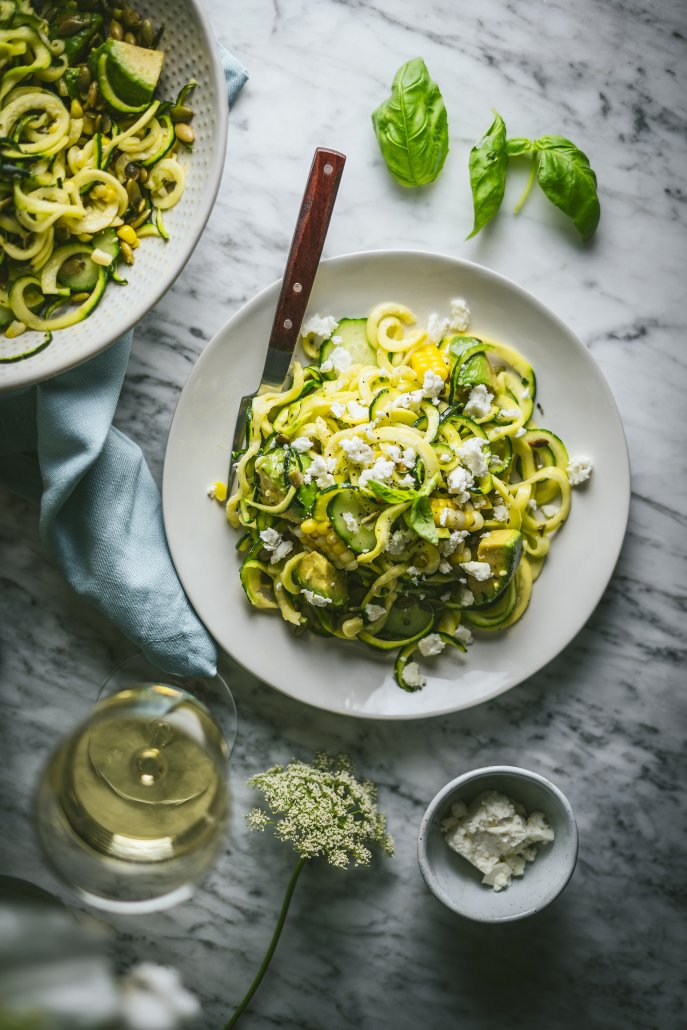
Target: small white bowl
457,884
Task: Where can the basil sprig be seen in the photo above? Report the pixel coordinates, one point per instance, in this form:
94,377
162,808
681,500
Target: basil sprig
412,126
561,169
419,516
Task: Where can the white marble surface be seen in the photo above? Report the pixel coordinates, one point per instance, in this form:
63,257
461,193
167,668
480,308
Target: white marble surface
606,719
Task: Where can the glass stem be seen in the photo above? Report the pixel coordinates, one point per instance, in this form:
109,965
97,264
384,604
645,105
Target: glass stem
272,945
530,182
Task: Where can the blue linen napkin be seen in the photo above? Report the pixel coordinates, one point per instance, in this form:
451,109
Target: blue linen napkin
100,510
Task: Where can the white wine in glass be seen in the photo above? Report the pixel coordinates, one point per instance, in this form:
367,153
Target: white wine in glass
132,807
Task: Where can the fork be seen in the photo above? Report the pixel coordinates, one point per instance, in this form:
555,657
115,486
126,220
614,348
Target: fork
301,267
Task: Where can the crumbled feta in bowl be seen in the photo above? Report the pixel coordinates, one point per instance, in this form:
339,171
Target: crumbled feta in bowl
508,823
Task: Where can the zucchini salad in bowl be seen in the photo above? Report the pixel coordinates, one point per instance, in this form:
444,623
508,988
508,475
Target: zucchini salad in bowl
89,158
399,493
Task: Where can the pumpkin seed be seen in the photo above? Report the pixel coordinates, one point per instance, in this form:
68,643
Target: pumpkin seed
131,18
147,32
132,170
92,95
116,30
127,252
181,113
70,26
84,79
130,38
133,192
184,133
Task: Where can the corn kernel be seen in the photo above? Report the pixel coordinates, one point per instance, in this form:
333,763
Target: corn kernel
129,236
429,359
447,514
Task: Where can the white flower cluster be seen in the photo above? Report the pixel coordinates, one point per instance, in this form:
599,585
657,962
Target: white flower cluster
322,809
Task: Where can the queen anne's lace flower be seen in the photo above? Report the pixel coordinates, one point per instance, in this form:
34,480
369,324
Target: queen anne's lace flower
322,810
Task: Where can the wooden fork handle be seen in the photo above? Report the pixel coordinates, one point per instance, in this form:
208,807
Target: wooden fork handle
306,247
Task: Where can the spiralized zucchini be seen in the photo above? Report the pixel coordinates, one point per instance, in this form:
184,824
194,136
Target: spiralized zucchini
83,175
399,491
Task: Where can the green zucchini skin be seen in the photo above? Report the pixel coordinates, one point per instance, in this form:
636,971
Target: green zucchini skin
351,501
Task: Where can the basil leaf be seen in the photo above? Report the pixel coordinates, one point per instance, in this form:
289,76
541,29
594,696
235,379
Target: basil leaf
420,519
566,178
518,146
488,166
412,127
392,495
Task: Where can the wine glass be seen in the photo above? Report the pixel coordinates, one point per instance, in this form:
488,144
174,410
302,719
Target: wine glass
132,807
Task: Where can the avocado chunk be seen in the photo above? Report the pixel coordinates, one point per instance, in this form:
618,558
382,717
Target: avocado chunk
270,470
128,74
502,550
316,573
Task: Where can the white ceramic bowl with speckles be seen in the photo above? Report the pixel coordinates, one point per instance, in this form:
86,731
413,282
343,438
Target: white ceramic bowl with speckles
191,52
458,884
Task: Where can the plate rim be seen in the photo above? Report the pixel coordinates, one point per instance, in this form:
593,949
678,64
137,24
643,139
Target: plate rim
392,252
187,246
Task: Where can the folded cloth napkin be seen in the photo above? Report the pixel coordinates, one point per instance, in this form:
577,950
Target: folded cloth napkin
100,511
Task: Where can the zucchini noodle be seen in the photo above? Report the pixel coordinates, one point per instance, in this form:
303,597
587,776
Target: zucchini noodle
398,492
81,165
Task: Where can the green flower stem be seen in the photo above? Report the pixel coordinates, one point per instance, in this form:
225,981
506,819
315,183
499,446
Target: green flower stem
530,182
272,946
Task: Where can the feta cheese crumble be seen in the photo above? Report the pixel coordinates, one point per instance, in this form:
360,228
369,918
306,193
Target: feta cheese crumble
320,325
445,567
270,538
496,835
357,451
430,645
456,537
479,570
478,404
357,411
338,409
459,481
500,513
411,400
579,470
341,360
437,327
398,541
412,675
466,597
301,444
406,482
275,544
432,385
321,472
381,472
472,455
316,600
374,611
460,315
549,510
463,634
350,522
509,413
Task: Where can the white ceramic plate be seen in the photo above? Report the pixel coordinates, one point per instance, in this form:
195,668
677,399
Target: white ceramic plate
350,678
190,52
